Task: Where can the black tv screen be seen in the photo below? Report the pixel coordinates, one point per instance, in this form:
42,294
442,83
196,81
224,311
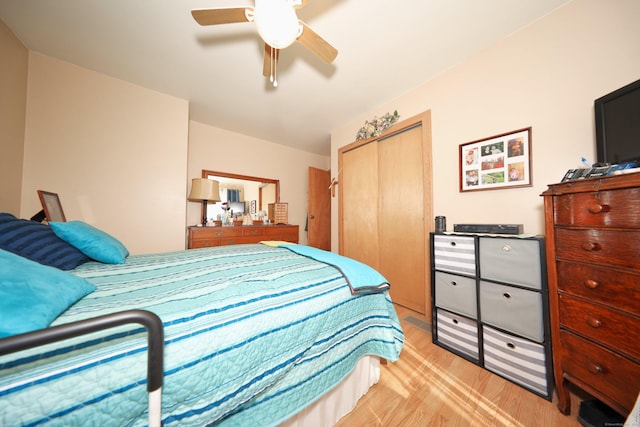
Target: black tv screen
617,117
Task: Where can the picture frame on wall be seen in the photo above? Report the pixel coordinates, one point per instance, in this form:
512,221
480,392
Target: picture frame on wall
500,161
52,207
253,207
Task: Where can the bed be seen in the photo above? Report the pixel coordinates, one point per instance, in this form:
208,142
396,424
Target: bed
253,335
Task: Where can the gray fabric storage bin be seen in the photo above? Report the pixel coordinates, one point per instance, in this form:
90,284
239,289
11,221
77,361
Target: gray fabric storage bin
454,253
456,293
514,261
513,309
517,359
457,333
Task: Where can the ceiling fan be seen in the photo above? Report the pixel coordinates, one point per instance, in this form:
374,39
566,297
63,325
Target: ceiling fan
277,24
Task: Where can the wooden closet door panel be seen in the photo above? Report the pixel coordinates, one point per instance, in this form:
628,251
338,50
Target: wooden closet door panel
401,227
359,191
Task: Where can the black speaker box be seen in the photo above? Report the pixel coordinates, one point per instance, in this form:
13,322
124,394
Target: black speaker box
489,228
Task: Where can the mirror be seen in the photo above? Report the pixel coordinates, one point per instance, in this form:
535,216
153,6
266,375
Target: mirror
246,194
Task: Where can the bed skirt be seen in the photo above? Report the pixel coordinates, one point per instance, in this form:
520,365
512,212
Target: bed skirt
342,399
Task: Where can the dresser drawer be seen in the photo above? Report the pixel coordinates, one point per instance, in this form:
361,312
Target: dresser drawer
512,309
204,243
456,254
613,329
457,333
214,232
290,235
517,359
251,231
275,230
608,247
456,293
610,374
511,260
601,284
615,208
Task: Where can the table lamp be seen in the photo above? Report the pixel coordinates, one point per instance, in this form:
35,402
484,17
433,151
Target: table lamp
204,190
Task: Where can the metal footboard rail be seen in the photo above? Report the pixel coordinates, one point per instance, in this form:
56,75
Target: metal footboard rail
149,320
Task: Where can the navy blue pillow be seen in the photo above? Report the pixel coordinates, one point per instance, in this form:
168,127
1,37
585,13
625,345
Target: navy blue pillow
38,242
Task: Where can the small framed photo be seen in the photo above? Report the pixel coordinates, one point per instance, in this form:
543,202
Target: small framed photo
253,207
52,207
500,161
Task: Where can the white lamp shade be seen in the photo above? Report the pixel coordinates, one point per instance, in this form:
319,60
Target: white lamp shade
204,189
276,22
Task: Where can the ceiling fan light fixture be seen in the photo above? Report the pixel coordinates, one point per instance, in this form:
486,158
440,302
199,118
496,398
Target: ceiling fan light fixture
276,22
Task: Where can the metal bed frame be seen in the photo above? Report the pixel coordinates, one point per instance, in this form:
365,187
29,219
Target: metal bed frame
149,320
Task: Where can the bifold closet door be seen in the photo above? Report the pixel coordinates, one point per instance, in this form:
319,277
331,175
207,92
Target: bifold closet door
401,229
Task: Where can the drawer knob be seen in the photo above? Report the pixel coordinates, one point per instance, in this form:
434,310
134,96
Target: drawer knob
507,295
454,283
593,322
591,284
506,248
595,368
511,345
591,246
598,208
453,243
455,321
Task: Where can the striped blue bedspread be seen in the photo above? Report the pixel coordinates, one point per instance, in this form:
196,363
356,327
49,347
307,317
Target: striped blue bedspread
253,334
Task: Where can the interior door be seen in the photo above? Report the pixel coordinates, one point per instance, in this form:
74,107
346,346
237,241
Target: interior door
319,209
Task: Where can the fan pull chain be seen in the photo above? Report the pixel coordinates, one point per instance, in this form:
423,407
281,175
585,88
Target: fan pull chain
274,65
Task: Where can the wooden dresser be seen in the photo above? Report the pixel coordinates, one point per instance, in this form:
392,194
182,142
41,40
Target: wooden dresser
203,237
593,257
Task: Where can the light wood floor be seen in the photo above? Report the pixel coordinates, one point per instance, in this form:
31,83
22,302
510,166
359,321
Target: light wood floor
430,386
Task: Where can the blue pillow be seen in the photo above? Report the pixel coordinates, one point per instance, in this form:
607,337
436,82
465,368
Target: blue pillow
92,242
38,242
32,295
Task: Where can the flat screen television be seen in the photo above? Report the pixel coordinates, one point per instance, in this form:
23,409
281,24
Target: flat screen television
617,117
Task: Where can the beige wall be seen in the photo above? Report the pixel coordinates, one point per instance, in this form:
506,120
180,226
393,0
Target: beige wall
115,153
13,87
545,76
220,150
121,157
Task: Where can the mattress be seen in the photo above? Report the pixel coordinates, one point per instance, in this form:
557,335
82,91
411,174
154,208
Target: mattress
253,335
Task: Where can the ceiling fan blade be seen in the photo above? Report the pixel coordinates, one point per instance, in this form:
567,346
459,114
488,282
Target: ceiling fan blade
316,44
219,16
267,68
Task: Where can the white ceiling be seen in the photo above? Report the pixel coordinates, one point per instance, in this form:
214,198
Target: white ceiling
386,48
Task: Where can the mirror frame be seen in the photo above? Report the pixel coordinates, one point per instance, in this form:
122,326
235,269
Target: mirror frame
206,173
